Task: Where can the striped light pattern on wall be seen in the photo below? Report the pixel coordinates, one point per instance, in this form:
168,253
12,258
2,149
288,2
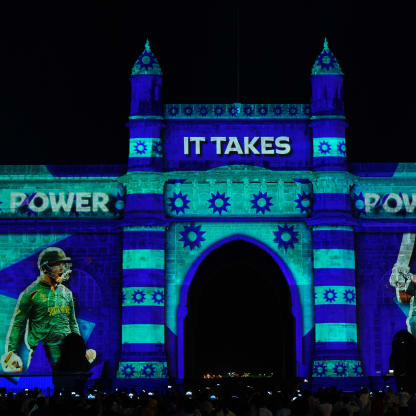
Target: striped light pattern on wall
143,303
329,147
145,147
142,369
335,303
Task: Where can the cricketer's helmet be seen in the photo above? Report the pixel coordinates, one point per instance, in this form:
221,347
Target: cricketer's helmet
51,256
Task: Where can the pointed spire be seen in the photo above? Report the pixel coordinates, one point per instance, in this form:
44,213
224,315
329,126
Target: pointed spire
326,63
146,63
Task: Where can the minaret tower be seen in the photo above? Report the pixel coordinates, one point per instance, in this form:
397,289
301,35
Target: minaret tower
143,357
336,359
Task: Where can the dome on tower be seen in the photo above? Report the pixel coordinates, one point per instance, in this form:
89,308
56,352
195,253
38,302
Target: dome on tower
146,63
326,63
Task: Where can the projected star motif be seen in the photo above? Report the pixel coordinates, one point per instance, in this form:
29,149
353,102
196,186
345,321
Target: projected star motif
146,60
248,110
307,110
179,203
123,297
358,203
233,110
128,371
340,369
319,369
192,236
261,202
0,204
286,236
218,110
140,148
158,296
326,60
303,202
165,371
203,110
157,147
341,148
293,110
173,111
262,110
138,296
277,110
188,110
330,295
219,203
324,147
358,370
349,295
148,370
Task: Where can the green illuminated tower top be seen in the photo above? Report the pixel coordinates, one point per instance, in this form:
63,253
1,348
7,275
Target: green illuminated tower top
146,63
326,63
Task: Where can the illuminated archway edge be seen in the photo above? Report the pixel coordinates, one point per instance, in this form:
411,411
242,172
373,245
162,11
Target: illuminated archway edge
182,310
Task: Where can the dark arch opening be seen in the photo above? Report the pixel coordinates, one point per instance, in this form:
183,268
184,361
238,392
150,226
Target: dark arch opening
239,315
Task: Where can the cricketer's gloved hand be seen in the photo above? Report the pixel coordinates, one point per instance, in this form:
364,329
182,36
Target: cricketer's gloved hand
11,362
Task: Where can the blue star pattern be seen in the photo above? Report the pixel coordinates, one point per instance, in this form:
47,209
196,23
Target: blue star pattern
286,236
324,147
138,296
349,295
157,147
277,110
326,60
340,369
128,371
341,148
188,110
179,203
158,296
319,369
123,297
165,371
218,110
303,202
192,236
219,203
148,370
0,204
261,202
173,111
145,61
330,295
358,203
358,369
248,110
293,110
203,110
233,110
140,147
262,110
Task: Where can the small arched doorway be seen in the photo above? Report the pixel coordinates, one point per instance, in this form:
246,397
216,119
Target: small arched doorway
239,315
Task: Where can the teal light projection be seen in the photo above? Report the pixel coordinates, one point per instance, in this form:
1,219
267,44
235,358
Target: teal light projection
142,370
238,111
329,147
145,147
335,332
335,295
337,368
143,259
191,240
143,296
333,258
143,333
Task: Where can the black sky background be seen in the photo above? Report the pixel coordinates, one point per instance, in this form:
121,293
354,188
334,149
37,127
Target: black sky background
65,69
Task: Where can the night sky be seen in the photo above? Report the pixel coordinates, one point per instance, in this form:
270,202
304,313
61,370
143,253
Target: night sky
66,65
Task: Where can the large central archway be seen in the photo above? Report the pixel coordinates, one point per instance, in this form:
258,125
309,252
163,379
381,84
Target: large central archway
239,315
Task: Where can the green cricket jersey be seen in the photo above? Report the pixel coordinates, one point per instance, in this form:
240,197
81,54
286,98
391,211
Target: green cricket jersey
49,312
